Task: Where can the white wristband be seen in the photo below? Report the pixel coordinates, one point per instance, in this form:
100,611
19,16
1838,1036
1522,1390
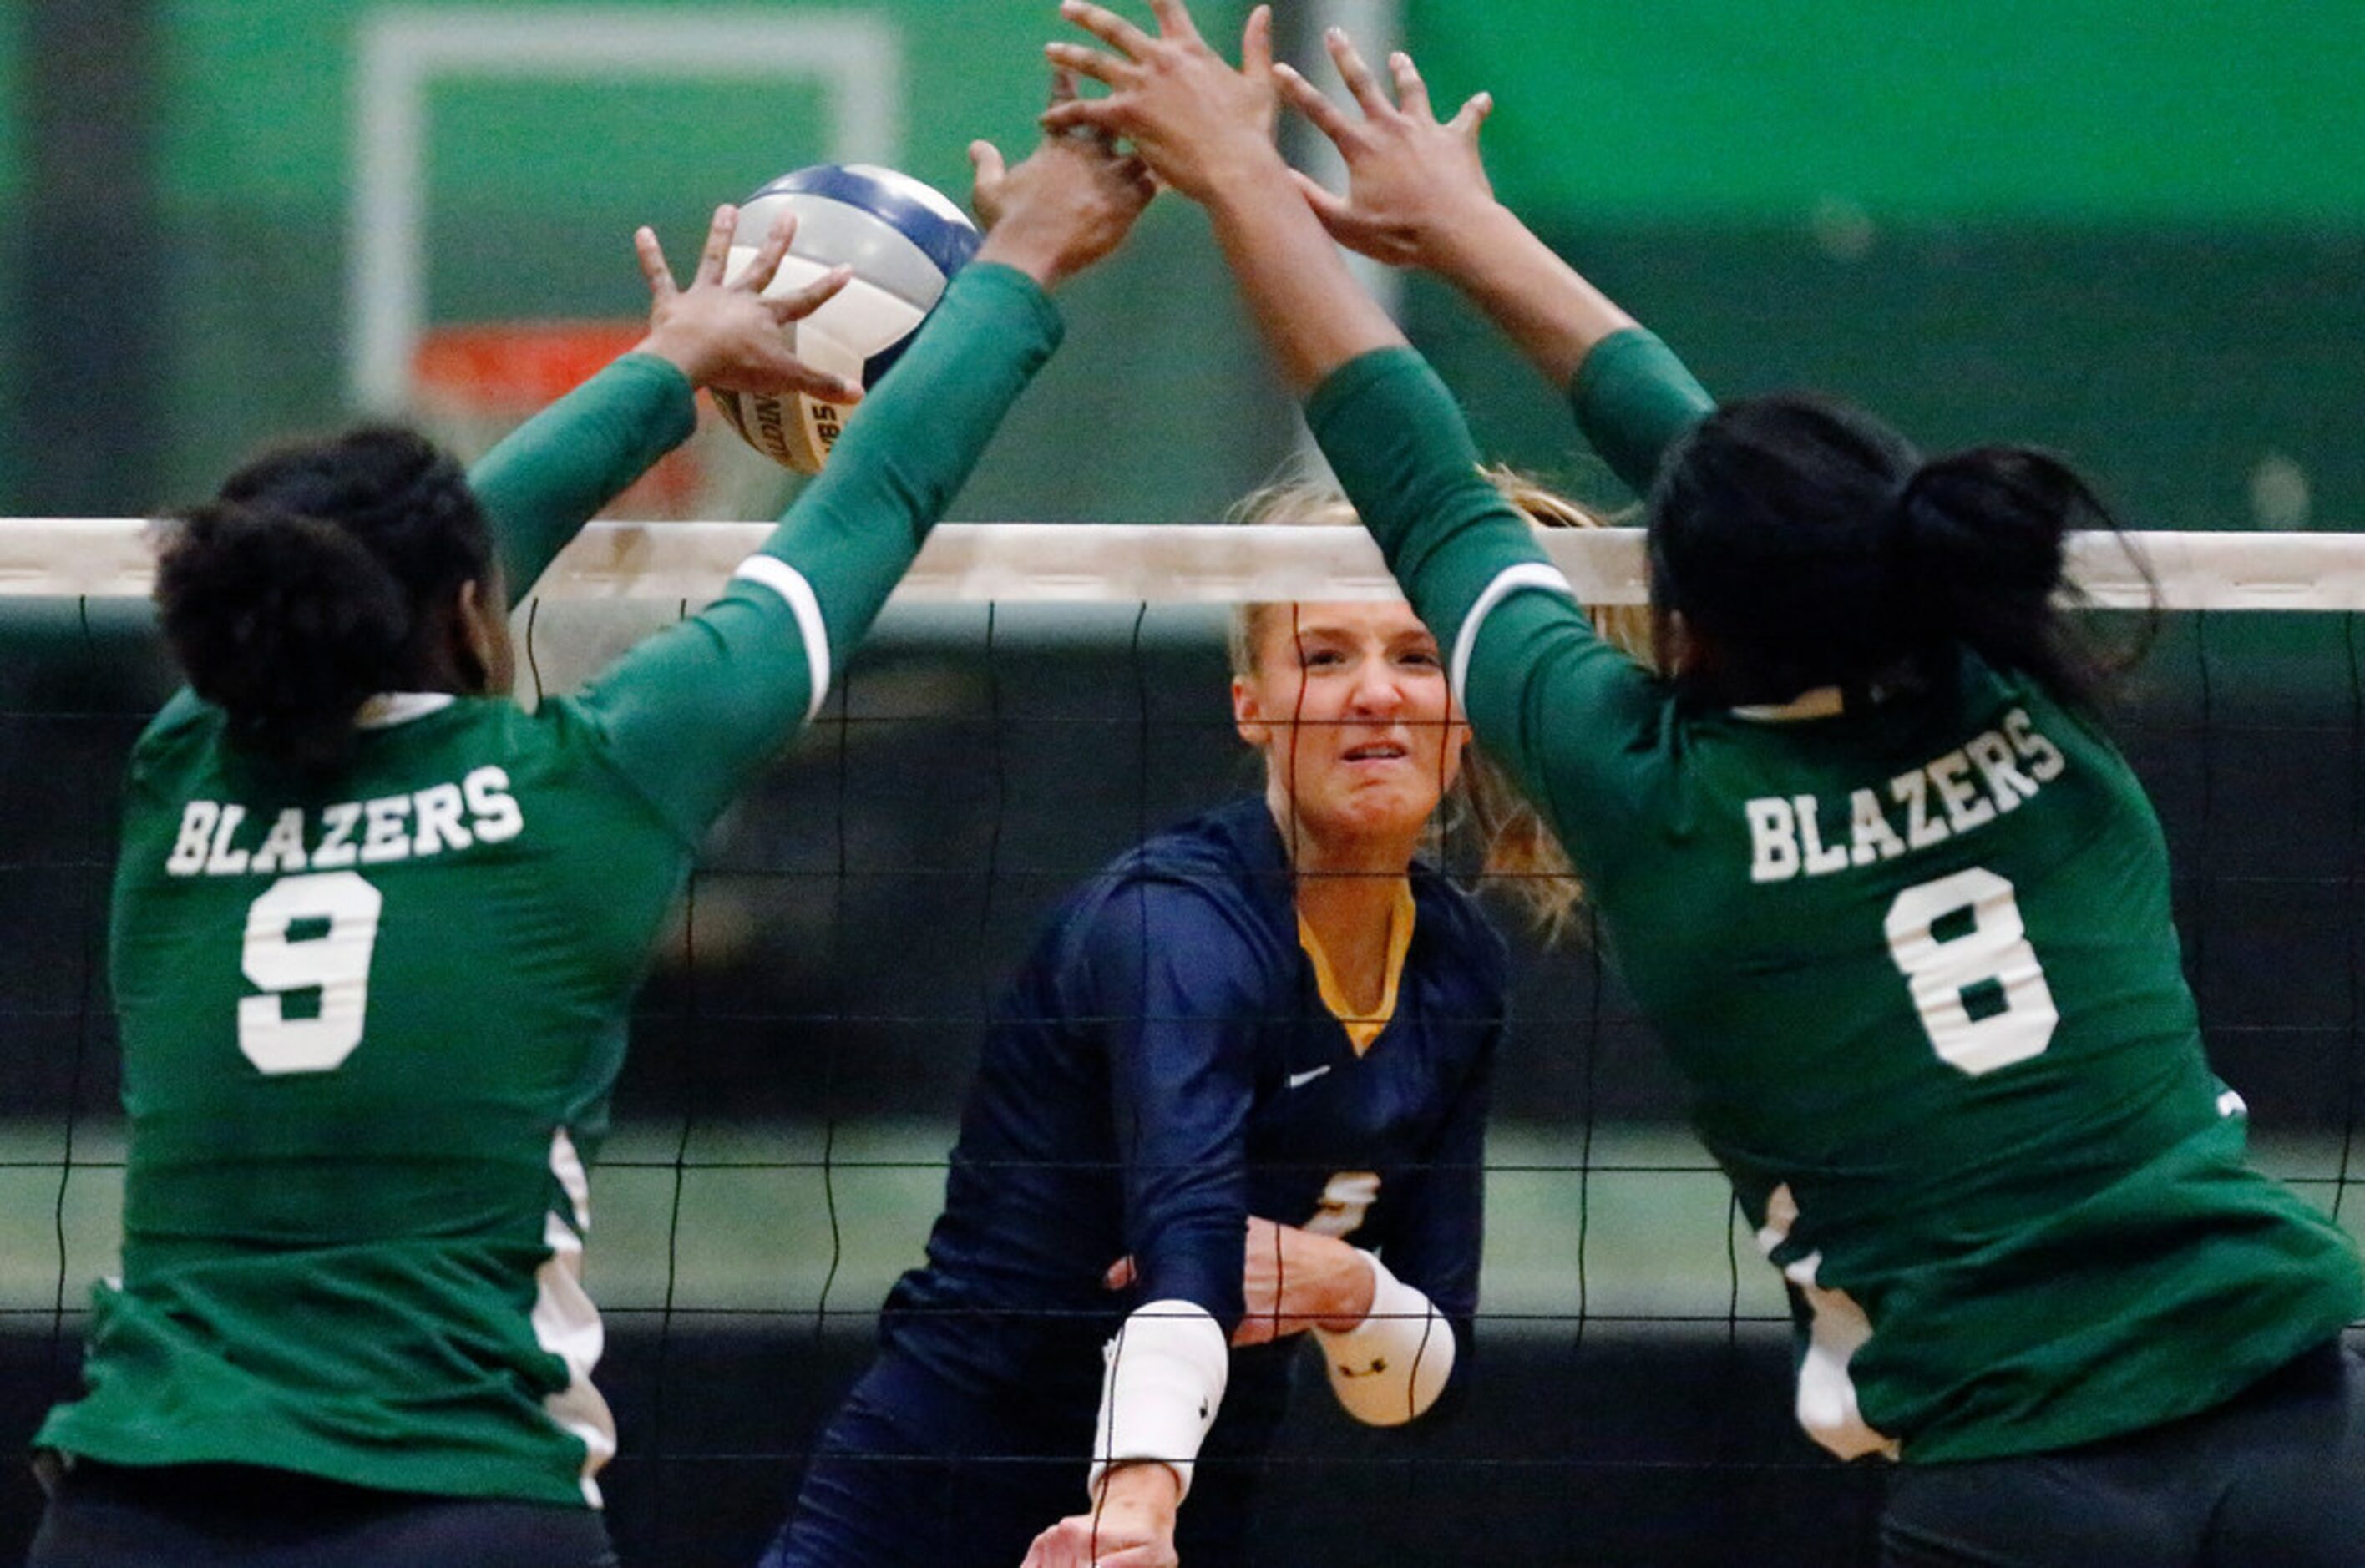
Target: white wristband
1164,1379
1392,1366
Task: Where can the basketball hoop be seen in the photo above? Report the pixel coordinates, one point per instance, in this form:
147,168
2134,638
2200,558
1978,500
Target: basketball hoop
472,383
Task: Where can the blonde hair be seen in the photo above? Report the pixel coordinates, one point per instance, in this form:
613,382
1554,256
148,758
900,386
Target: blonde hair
1516,844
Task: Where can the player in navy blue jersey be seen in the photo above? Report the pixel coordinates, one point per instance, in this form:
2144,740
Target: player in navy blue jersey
1272,1023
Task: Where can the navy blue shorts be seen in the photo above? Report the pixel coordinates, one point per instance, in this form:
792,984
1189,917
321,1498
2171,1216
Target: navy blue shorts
914,1472
2274,1478
232,1515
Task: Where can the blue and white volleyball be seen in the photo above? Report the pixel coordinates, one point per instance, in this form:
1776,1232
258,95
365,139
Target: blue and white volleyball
904,241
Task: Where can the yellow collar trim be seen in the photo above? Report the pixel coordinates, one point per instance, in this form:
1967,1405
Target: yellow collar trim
1361,1027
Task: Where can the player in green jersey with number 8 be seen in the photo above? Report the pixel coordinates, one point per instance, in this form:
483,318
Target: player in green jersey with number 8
376,928
1866,857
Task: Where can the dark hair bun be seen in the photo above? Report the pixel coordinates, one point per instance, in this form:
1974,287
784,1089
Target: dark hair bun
1993,520
1807,543
286,621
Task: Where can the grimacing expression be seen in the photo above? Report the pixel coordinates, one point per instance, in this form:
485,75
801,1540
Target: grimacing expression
1349,704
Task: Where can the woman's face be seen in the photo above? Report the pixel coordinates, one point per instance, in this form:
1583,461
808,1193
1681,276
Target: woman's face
1350,705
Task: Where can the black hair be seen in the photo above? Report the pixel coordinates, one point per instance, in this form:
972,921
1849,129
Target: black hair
321,575
1807,545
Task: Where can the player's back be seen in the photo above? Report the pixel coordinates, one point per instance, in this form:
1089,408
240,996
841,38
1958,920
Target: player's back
1920,963
369,1027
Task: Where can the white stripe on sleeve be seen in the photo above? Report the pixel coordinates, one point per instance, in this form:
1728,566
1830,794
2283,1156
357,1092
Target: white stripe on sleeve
798,595
1526,575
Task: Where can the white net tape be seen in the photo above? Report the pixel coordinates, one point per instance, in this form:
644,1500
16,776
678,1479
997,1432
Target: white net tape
1207,563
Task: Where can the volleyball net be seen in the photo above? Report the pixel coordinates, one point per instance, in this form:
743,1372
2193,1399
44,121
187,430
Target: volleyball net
1036,699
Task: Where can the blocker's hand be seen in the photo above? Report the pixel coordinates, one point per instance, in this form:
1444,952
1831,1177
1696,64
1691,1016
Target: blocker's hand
1415,184
1071,203
1199,123
728,334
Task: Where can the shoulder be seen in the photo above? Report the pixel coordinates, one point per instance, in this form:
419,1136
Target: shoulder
1229,859
1209,893
185,719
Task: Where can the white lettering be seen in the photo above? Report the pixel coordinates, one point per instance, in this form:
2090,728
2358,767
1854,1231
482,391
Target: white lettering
2006,784
224,861
492,807
1819,861
188,856
2044,758
1988,775
387,837
1774,840
337,824
436,809
1965,809
283,847
1871,837
1913,792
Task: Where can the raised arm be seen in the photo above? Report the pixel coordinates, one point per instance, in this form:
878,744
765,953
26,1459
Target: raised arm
549,476
1417,195
691,713
1205,129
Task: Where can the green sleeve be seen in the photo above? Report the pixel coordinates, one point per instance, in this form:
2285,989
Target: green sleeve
548,477
1546,694
692,712
1632,397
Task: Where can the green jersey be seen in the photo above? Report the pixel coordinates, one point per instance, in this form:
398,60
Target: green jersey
1917,964
369,1024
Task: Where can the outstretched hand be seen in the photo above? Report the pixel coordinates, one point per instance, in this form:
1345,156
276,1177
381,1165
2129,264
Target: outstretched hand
1198,124
728,334
1072,202
1413,182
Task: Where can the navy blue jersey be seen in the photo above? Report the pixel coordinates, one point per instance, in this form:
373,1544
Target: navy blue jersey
1163,1067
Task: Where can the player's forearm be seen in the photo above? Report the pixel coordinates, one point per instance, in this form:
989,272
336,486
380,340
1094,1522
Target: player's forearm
1633,398
1310,310
1544,306
553,473
913,445
1630,394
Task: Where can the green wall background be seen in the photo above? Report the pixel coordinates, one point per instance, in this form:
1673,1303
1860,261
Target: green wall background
11,97
12,197
2133,231
535,187
2109,111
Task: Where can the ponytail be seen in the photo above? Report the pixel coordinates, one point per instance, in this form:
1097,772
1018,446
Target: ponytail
1805,544
1980,539
284,623
321,574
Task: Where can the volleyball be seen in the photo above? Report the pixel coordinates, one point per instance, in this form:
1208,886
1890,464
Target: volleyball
904,240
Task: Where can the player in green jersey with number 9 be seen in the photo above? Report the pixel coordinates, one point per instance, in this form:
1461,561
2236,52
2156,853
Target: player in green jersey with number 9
1866,857
376,928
